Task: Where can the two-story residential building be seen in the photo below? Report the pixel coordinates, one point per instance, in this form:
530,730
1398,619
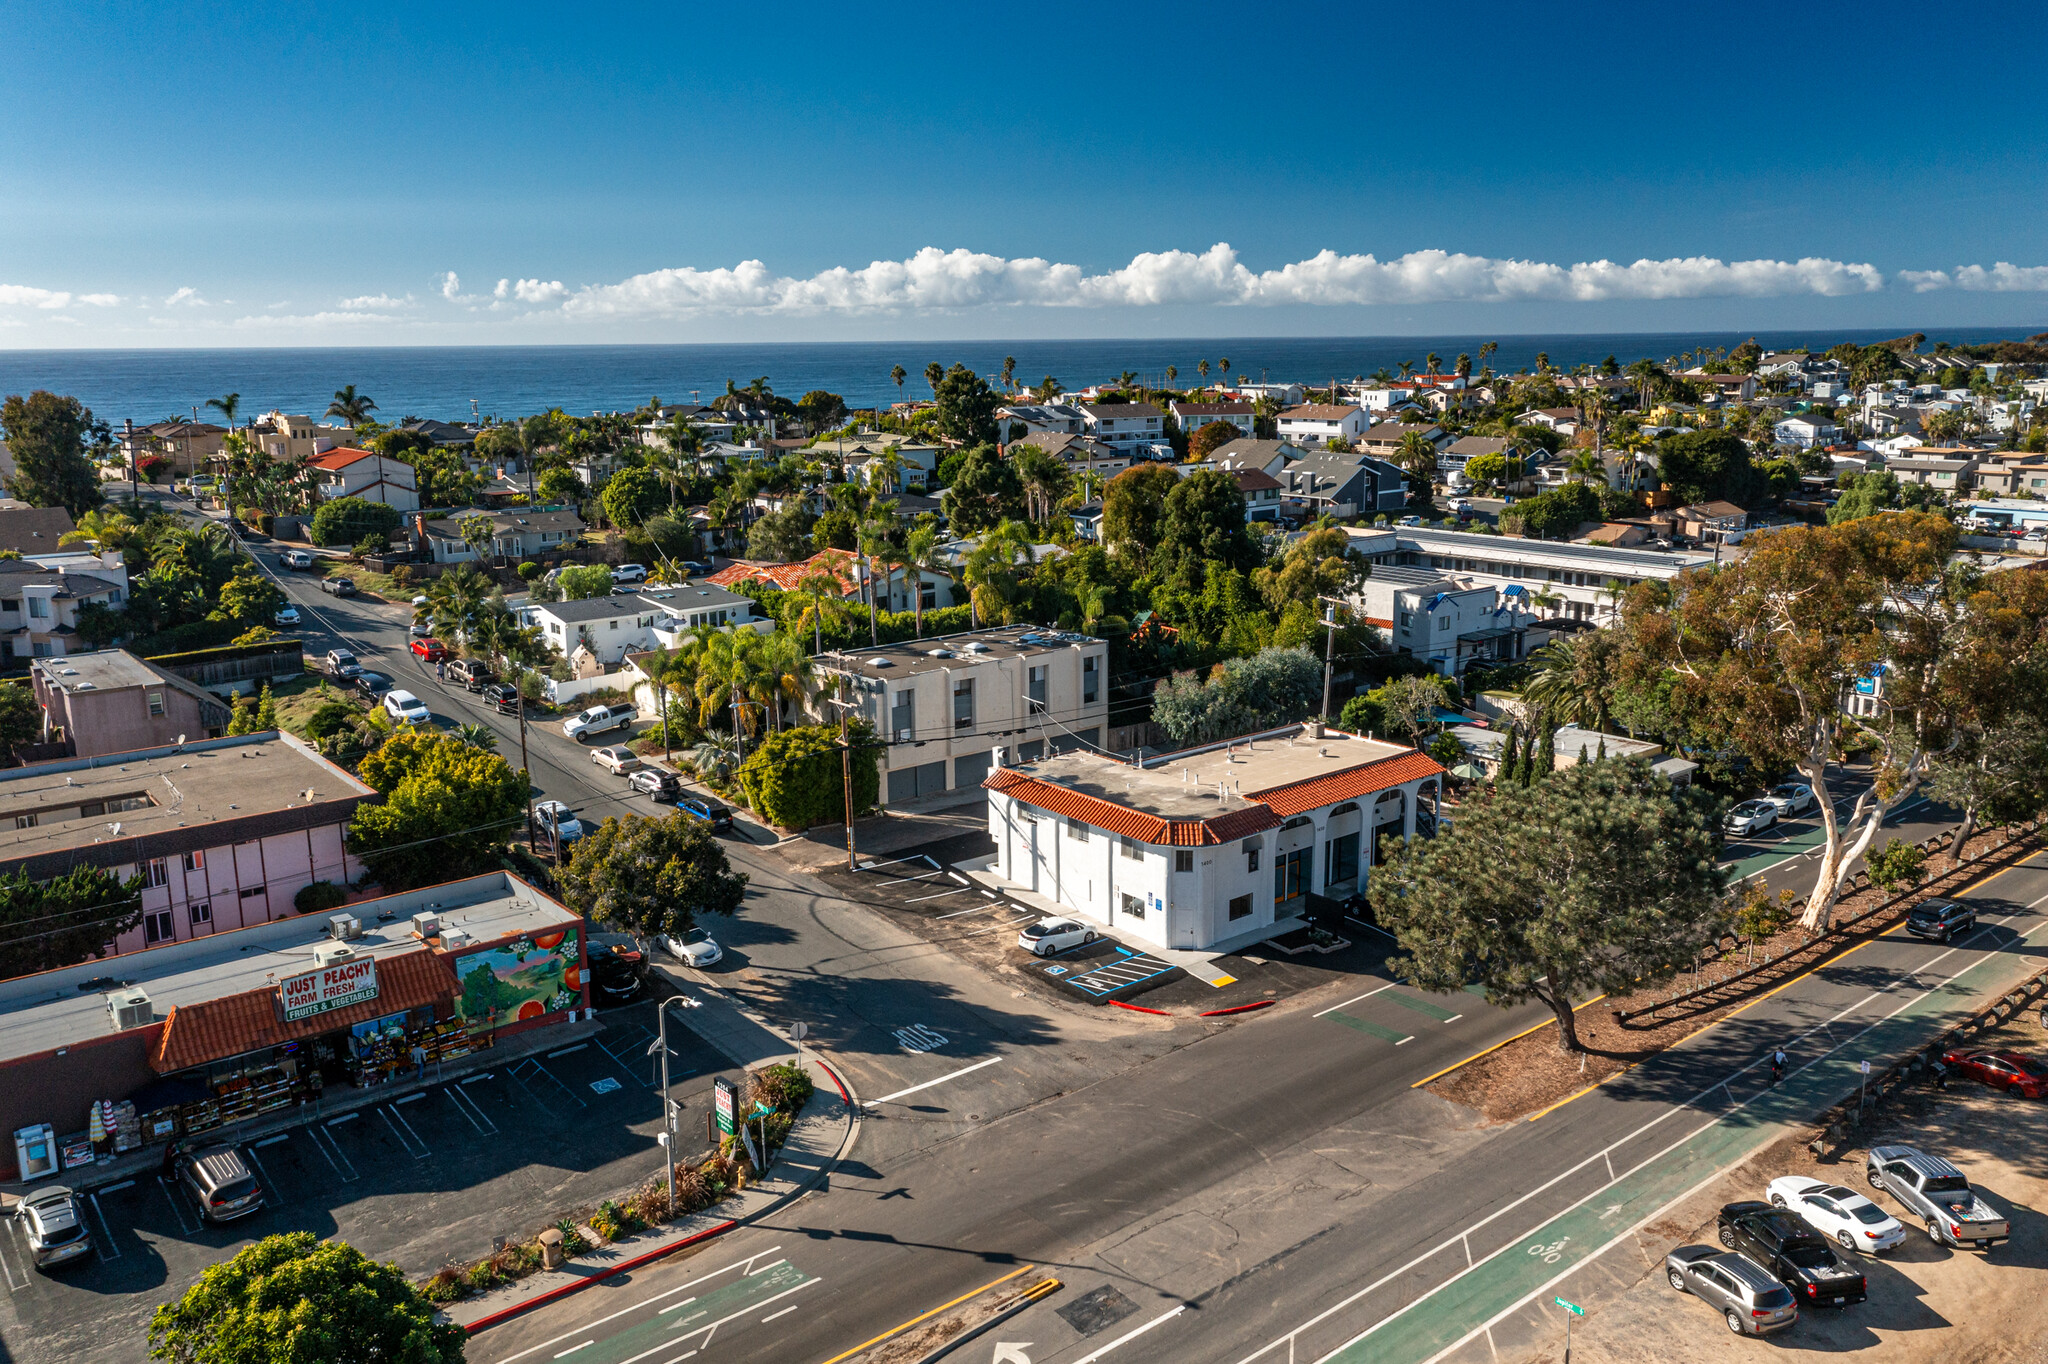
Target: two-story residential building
1261,493
290,439
1805,432
941,707
1314,425
186,445
1213,848
1340,485
39,603
1193,416
844,565
114,702
1386,439
1947,469
516,533
1267,456
31,531
1713,522
1019,421
1585,581
349,472
2006,474
1134,430
1081,454
1452,626
1279,394
609,628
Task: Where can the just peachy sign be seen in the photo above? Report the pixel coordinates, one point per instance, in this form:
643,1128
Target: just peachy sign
329,987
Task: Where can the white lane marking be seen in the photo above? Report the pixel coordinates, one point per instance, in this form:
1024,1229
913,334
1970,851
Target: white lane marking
918,900
170,1192
410,1098
124,1184
346,1117
665,1293
918,1038
978,909
7,1265
676,1306
783,1313
346,1168
706,1331
472,1079
870,866
112,1251
1129,1336
399,1118
961,879
261,1173
259,1145
574,1348
905,1093
463,1109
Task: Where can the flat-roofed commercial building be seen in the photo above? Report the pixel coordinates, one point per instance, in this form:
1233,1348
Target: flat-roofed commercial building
1585,578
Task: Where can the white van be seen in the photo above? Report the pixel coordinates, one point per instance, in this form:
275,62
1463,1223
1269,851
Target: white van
600,720
406,708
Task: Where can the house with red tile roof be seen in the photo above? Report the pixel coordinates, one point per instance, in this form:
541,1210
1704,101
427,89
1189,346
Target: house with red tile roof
844,565
1214,848
349,472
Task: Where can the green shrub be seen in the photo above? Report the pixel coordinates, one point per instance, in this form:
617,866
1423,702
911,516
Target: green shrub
481,1276
348,520
529,570
331,718
785,1085
445,1286
320,897
794,778
573,1243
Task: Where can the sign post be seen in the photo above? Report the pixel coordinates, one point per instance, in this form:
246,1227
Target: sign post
1862,1084
797,1033
1572,1309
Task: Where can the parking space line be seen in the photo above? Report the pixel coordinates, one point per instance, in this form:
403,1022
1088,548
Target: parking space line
566,1050
535,1067
918,900
905,1093
1354,999
408,1099
171,1192
402,1129
464,1104
7,1264
344,1168
472,1079
269,1184
346,1117
110,1251
978,909
259,1145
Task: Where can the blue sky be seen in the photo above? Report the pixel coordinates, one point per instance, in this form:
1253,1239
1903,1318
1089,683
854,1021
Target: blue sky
181,176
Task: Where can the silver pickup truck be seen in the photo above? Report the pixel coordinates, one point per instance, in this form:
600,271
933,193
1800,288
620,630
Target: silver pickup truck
1953,1212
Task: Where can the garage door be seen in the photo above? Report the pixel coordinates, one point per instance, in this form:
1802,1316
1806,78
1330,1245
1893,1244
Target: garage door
969,771
908,783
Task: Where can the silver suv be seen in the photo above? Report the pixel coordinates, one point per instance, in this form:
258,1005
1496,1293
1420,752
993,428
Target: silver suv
219,1179
56,1232
1751,1299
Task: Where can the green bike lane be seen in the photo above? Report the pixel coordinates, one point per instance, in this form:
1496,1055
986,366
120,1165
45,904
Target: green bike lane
668,1328
1494,1287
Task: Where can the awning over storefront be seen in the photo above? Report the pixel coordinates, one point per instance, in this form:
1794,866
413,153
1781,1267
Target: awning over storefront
234,1025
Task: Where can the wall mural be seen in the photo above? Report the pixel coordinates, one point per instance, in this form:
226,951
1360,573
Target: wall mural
521,980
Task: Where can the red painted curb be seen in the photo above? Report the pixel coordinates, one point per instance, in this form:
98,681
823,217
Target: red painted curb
564,1290
839,1084
1140,1009
1238,1009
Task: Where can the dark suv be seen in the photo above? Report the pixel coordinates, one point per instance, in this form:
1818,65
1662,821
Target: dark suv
503,696
1940,919
1800,1256
470,674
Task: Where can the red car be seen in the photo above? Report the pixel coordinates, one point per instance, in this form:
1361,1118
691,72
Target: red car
2021,1076
431,650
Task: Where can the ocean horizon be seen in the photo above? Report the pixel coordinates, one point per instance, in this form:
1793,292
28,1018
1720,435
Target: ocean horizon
453,383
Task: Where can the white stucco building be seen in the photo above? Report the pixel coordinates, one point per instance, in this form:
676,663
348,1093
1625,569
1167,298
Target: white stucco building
1210,848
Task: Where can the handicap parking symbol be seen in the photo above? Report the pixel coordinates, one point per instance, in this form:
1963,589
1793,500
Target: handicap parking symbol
604,1086
1055,970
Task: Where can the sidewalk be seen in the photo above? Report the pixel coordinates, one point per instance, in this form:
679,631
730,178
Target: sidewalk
900,828
820,1138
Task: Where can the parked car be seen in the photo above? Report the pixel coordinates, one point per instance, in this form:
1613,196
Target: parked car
696,568
1050,936
617,760
1940,919
2020,1076
421,602
503,698
220,1180
53,1226
371,686
338,587
342,663
1750,817
1411,520
1852,1220
551,816
406,708
615,973
1750,1300
630,573
1939,1194
288,615
1791,798
295,558
1803,1259
663,785
420,629
713,812
473,676
694,948
600,720
432,650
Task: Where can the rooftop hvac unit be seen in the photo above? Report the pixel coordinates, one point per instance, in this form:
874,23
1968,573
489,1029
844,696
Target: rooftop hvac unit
425,925
130,1009
452,938
344,927
332,953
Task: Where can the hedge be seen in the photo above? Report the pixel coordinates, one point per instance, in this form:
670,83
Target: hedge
794,779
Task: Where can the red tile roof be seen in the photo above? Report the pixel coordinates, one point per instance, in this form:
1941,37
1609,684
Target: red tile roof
340,457
1287,801
839,562
195,1034
1121,819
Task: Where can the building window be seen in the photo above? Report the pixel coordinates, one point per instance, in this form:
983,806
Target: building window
1077,829
195,860
1443,623
156,703
202,913
39,607
903,715
1037,689
963,703
1183,859
1089,676
155,873
1291,872
1251,854
1241,906
1406,620
251,892
156,927
1133,906
27,821
1131,848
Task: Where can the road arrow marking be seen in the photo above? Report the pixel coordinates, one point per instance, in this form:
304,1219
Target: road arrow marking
1612,1208
1009,1352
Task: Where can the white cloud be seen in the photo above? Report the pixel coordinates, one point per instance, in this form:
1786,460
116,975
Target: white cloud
375,301
1924,281
451,286
2003,278
27,296
933,280
504,288
186,297
347,318
537,291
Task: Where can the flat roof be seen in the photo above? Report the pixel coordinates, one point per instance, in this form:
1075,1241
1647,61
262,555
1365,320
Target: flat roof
68,1006
108,670
1177,787
184,787
942,652
1467,543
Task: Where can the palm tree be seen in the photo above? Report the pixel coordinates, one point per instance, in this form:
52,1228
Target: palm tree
934,374
1202,368
1048,389
824,598
1587,466
1570,685
352,407
1543,362
1462,366
1127,379
727,506
886,472
1224,366
920,555
227,407
104,528
991,567
476,736
665,668
899,374
1486,350
1172,373
785,675
1433,360
1407,368
873,540
1010,373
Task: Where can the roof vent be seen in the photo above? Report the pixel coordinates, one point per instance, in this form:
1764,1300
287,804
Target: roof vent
941,653
881,663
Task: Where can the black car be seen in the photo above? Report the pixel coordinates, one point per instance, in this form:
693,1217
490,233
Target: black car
663,786
696,568
503,698
1940,919
1801,1257
617,972
713,812
370,686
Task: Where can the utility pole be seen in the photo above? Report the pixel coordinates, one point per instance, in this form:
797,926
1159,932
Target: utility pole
524,768
846,770
1329,654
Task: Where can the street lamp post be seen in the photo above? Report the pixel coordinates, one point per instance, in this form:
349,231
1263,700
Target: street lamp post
668,1106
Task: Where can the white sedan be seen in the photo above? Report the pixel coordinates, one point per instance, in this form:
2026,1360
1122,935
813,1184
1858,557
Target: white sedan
1852,1220
1794,797
1750,817
694,948
1050,936
615,759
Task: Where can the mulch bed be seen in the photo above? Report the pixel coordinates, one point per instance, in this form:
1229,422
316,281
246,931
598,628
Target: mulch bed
1532,1072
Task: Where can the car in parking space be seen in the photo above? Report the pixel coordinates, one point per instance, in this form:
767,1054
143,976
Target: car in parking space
338,587
370,686
1938,1193
1803,1259
1750,817
617,971
657,782
2018,1075
220,1180
600,720
630,573
471,674
1750,1300
714,812
295,558
1940,919
616,760
1790,798
430,649
694,948
342,663
420,629
551,816
287,615
1850,1219
503,698
1048,937
406,708
53,1225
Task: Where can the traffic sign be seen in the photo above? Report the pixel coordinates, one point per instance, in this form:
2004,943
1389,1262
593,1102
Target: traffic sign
799,1031
1570,1307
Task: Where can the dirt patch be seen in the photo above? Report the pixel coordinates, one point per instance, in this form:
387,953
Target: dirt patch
927,1336
1927,1302
1533,1072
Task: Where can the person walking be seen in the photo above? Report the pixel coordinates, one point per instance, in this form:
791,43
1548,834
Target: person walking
419,1062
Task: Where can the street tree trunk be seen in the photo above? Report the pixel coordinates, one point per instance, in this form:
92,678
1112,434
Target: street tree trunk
1560,1003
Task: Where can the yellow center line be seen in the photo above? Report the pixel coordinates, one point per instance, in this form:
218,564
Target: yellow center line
1498,1045
898,1330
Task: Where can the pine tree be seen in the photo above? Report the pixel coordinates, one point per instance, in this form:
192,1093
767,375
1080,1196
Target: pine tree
241,715
266,712
1546,756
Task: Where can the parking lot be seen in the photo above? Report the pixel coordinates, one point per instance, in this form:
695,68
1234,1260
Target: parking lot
426,1177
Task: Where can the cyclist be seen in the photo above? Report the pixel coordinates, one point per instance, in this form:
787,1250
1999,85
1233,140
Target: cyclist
1778,1060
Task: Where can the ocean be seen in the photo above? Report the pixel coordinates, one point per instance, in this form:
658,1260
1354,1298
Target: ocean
455,382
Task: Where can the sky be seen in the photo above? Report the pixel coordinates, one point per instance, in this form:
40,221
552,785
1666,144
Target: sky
420,174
